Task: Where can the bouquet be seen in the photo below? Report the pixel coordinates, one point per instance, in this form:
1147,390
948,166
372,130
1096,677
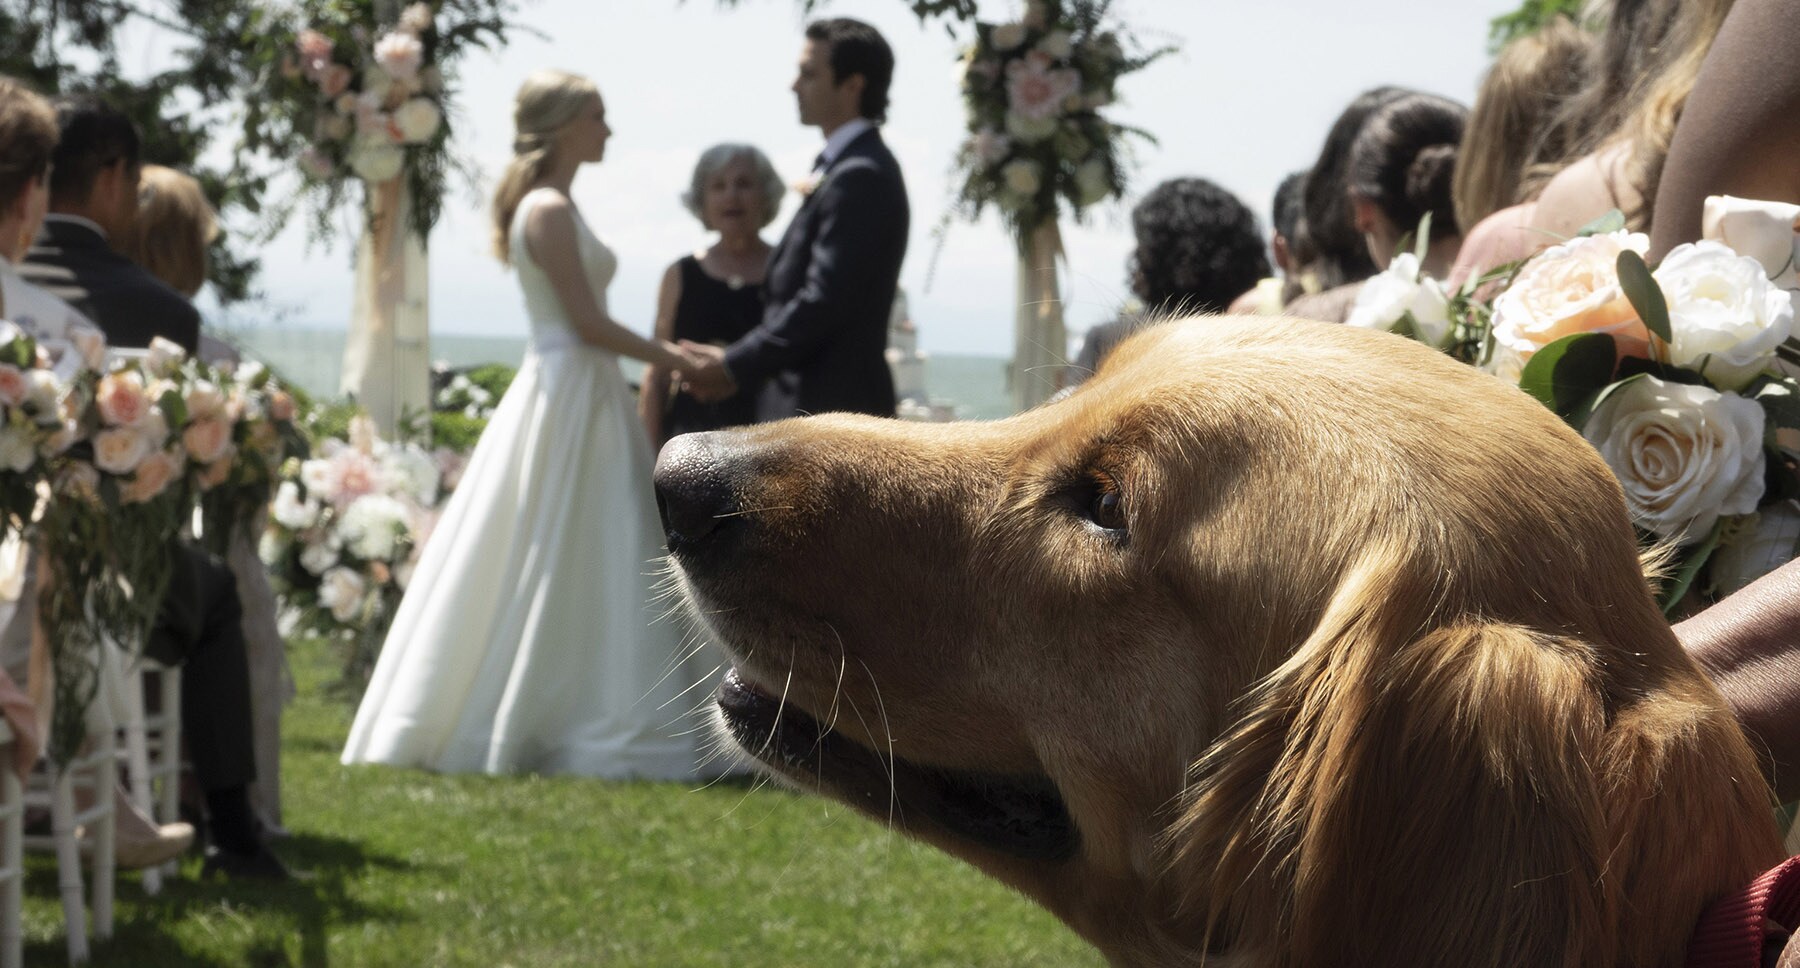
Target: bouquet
345,531
1033,89
1669,371
241,431
32,429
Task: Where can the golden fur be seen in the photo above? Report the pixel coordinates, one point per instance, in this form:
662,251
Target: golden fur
1369,676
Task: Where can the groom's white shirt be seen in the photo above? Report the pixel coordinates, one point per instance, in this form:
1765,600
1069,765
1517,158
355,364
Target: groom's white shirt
840,139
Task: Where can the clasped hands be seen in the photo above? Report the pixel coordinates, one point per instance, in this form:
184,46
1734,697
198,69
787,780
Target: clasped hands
706,378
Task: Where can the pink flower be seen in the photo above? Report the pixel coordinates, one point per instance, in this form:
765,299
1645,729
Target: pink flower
121,398
207,439
343,477
217,472
12,385
281,405
119,450
334,80
1035,91
315,50
400,54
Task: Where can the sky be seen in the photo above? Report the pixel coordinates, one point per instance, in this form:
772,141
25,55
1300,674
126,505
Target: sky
1246,100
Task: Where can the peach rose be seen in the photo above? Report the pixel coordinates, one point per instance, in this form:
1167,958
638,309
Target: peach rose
1568,289
119,450
205,400
217,472
121,398
207,439
281,405
152,478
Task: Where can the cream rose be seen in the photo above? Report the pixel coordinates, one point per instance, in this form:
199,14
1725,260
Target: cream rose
1386,298
292,512
318,558
204,400
17,450
418,120
164,357
90,342
1023,177
207,439
1056,44
1007,36
41,395
152,478
400,54
341,591
375,161
416,18
1768,232
372,526
119,450
1683,454
1567,289
217,472
1725,318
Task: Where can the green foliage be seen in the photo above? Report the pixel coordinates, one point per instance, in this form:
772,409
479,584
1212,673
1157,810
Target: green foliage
960,11
1568,372
1645,295
1531,15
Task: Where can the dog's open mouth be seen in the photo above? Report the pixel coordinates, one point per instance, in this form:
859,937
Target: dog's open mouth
1022,816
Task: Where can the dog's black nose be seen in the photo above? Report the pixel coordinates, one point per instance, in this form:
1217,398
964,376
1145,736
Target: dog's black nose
694,492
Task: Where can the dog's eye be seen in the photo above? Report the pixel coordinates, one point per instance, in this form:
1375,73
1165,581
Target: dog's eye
1107,506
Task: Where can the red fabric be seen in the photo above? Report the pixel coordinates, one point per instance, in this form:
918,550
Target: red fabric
1730,933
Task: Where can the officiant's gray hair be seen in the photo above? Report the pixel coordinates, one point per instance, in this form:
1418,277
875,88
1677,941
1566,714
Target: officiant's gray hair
714,159
545,102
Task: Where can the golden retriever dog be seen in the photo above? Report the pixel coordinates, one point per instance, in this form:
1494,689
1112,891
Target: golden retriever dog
1275,644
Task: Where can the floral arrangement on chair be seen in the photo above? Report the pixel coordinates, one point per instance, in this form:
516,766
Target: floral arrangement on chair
346,530
1033,89
1670,371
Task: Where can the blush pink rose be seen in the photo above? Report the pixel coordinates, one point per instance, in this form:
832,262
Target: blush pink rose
13,386
217,472
119,450
334,80
121,398
152,478
281,405
207,439
1037,92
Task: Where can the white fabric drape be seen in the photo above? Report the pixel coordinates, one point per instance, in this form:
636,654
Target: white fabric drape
1040,343
387,358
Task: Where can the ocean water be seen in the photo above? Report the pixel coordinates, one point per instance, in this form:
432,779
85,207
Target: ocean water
975,385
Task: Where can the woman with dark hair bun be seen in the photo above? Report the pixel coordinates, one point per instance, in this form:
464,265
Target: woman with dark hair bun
1402,166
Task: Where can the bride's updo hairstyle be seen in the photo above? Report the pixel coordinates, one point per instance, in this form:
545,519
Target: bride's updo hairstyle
1404,161
545,102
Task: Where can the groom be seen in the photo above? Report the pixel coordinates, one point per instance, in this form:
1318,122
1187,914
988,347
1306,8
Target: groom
823,338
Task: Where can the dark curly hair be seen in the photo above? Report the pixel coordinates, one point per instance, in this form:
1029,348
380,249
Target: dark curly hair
1198,247
1404,159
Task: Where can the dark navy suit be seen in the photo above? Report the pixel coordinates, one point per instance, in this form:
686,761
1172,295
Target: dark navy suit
830,289
76,265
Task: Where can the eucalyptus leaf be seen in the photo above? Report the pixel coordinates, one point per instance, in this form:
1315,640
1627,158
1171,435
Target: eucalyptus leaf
1612,221
1645,295
1424,240
1565,374
1780,400
1692,561
1579,417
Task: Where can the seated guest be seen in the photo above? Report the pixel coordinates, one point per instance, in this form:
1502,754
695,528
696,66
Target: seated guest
714,295
1400,172
1198,246
174,228
93,197
28,137
1337,257
93,200
1273,292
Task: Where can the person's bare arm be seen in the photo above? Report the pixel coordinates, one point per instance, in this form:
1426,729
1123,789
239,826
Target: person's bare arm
653,396
1749,644
1740,129
550,238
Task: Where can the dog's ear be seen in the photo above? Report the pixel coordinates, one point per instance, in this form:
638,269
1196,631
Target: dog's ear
1405,791
1386,784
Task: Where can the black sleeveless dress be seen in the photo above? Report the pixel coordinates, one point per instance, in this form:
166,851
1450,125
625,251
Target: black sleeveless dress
710,311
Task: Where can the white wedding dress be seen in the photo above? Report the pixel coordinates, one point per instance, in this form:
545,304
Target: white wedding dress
528,639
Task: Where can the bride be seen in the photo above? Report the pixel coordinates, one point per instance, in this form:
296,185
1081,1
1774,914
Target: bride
527,640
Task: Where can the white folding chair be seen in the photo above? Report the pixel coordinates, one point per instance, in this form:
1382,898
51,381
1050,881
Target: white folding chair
12,856
153,751
54,787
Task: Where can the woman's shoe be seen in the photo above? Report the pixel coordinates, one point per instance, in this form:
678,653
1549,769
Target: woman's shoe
134,852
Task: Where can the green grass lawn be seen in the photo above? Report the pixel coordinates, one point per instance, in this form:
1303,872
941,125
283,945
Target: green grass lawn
410,868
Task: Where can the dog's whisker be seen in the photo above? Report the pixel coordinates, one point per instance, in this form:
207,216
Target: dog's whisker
739,514
887,734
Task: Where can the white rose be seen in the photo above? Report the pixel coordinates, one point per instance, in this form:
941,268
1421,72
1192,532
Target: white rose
164,357
17,450
205,399
371,527
1007,36
318,558
1056,44
1684,454
1725,318
1023,177
416,18
400,54
41,394
411,471
375,161
90,342
290,511
272,547
1386,298
316,475
1768,232
341,591
418,120
1092,181
375,87
1571,288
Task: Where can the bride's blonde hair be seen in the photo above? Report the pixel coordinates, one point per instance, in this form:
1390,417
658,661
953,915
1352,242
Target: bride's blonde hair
545,102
